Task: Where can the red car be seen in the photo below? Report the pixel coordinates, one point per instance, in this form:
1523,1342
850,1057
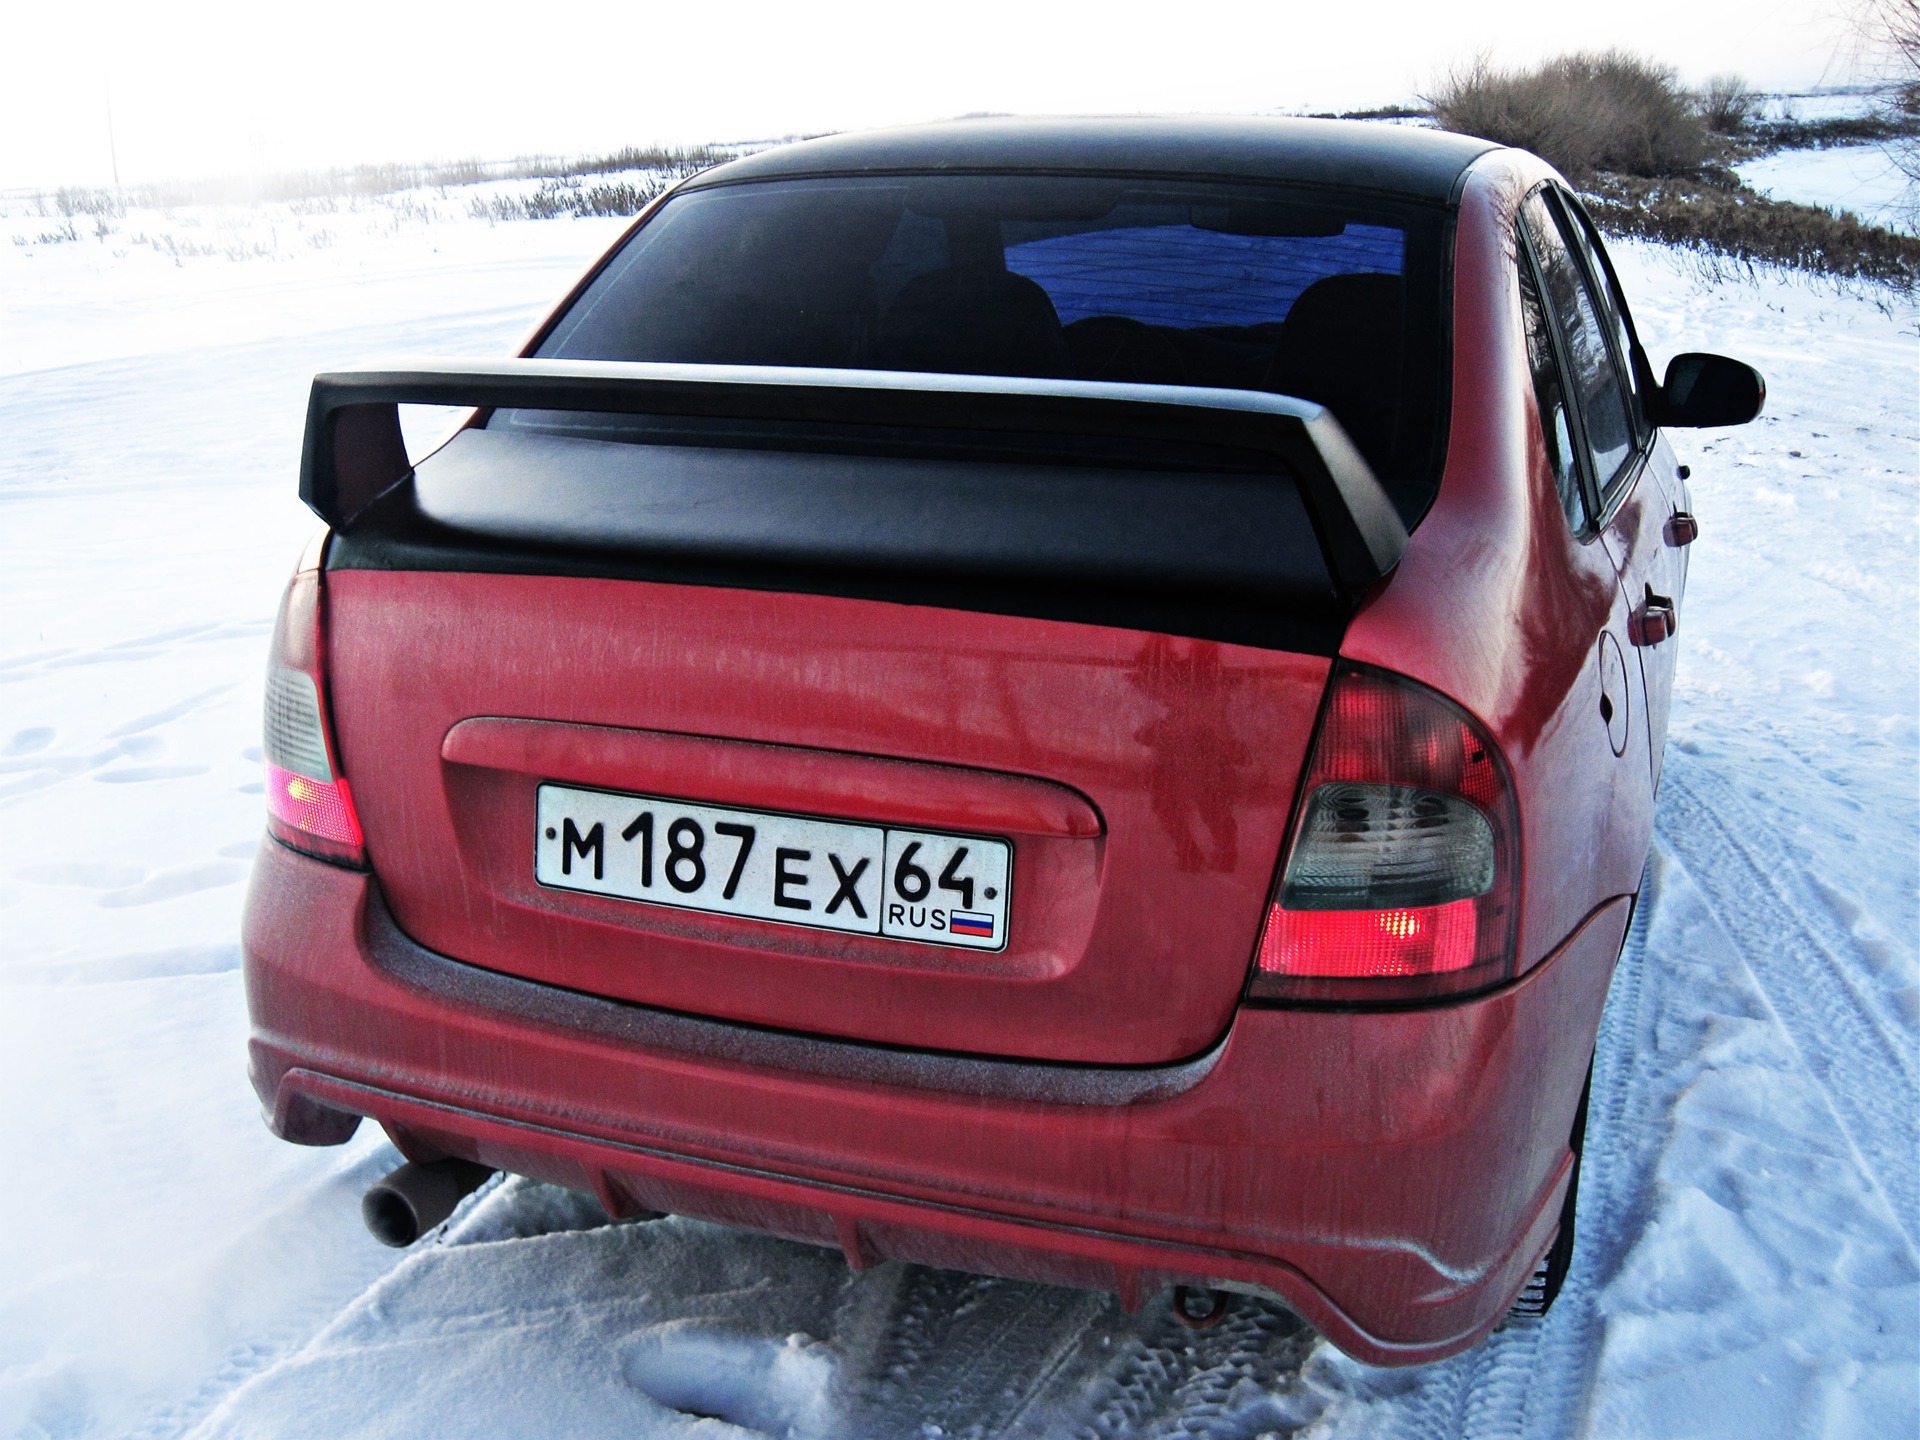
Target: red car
1078,700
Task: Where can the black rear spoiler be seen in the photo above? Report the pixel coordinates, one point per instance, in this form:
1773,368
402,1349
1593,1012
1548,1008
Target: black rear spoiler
354,450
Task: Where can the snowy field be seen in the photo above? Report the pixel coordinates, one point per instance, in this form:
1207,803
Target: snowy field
1747,1260
1861,179
1830,103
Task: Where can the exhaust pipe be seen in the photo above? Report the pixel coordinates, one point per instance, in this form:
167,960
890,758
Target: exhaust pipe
1199,1309
415,1198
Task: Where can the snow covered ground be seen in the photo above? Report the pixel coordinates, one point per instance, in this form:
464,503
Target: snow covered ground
1857,178
1749,1228
1829,103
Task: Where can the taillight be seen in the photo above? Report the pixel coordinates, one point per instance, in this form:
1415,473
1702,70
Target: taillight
1401,879
308,804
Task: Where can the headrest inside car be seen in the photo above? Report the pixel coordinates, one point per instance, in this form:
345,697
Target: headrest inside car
1341,347
981,322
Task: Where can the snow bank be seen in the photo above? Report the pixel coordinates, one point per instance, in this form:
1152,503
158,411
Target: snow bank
1748,1230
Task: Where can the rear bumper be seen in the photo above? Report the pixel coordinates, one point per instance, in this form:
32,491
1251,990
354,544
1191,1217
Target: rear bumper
1392,1176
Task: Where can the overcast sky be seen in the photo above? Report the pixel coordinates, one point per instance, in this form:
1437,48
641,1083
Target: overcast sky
211,87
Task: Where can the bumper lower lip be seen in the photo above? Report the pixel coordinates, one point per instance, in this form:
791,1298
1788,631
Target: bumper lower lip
1393,1178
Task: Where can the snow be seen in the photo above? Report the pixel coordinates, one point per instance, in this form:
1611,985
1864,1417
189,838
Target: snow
1861,179
1842,102
1749,1218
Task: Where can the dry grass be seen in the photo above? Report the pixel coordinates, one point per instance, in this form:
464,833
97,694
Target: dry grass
569,197
1753,231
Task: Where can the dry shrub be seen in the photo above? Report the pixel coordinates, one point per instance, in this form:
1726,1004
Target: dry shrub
1727,105
1582,113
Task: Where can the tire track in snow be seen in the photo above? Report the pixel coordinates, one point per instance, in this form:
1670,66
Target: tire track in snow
1162,1381
1535,1377
1853,1051
967,1354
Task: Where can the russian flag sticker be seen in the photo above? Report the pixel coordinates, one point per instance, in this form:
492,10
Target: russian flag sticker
965,922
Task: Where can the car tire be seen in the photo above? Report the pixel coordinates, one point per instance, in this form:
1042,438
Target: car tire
1544,1287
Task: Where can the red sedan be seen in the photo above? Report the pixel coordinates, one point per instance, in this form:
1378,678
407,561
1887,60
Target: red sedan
1078,700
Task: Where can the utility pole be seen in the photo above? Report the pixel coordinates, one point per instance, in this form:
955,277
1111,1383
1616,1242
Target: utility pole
113,150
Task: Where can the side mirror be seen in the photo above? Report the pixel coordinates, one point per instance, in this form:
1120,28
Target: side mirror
1703,390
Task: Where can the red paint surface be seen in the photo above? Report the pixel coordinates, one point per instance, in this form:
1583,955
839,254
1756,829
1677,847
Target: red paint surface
1128,946
1394,1176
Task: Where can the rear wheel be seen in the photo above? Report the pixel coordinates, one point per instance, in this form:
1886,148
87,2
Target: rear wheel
1551,1273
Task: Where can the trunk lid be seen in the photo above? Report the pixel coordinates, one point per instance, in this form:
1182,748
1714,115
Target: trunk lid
1143,780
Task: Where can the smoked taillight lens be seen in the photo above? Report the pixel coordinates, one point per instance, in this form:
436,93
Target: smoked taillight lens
1401,879
308,803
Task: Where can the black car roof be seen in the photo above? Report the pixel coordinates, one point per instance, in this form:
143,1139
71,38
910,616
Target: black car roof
1404,160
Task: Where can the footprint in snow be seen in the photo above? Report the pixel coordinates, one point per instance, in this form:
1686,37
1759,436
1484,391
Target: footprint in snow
30,742
92,876
170,884
138,773
168,964
759,1384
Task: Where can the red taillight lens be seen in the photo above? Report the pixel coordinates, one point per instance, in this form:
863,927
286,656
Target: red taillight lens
308,804
1402,875
1369,944
319,808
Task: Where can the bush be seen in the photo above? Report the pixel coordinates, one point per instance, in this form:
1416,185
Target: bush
1583,113
1727,106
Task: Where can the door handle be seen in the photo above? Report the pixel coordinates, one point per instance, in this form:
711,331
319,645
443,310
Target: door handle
1654,621
1682,528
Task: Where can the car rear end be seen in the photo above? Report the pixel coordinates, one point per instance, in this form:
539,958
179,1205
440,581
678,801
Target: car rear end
852,741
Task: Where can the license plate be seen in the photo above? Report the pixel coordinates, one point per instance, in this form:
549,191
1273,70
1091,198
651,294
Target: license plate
917,885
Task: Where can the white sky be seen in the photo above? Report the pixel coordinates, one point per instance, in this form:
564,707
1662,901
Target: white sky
216,87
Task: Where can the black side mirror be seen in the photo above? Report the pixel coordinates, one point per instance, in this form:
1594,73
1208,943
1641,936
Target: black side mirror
1702,390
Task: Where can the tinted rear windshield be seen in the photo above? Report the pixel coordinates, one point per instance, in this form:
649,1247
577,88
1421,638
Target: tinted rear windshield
1328,297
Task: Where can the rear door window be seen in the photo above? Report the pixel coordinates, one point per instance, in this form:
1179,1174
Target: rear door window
1612,306
1611,438
1550,393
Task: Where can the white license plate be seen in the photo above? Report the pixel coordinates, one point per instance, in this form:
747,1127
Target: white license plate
830,875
